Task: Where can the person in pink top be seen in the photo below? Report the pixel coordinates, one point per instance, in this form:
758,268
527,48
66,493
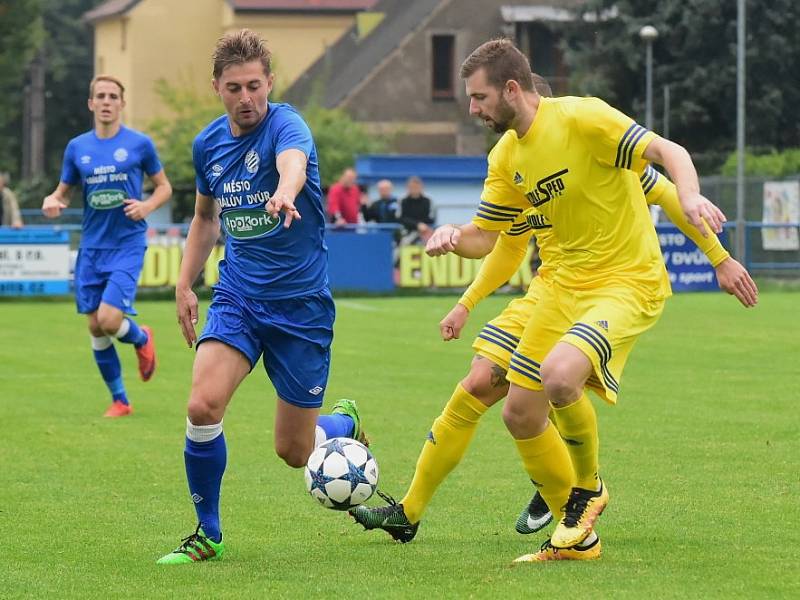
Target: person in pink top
344,199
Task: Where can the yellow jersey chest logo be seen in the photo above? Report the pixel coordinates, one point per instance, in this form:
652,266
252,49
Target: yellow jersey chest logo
546,189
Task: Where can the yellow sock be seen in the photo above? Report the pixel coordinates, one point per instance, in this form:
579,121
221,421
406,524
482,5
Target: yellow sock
447,441
548,464
577,424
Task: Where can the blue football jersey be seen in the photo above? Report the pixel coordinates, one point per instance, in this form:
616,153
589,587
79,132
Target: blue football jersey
110,171
263,260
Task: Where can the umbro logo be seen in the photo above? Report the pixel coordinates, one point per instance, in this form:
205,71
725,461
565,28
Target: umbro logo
517,178
197,498
315,391
603,324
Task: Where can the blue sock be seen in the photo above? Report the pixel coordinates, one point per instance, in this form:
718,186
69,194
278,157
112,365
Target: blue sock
336,425
135,335
108,362
205,464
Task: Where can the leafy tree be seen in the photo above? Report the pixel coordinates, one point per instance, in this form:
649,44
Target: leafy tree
696,55
69,48
21,34
771,164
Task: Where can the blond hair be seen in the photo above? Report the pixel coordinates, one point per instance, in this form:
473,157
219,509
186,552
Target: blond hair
110,78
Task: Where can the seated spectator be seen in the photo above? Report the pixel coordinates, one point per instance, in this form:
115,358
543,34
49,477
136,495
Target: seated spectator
9,207
384,209
415,212
344,199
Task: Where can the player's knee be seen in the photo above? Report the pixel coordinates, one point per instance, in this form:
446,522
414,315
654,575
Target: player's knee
559,384
108,322
293,454
202,410
486,381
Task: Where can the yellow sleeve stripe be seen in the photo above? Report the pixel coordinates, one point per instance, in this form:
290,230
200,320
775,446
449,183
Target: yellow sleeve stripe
627,145
648,179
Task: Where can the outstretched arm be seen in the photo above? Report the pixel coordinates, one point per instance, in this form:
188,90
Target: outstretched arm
469,241
291,165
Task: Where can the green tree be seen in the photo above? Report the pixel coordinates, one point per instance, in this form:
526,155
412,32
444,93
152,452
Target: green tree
695,54
21,34
69,48
338,139
174,135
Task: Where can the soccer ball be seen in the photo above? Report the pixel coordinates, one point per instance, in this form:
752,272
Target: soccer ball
341,473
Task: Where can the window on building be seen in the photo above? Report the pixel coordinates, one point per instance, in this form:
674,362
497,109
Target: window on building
443,66
543,48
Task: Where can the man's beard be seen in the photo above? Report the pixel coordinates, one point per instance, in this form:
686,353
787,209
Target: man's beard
505,117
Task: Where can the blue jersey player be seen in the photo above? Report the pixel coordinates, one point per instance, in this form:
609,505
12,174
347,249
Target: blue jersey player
272,301
109,163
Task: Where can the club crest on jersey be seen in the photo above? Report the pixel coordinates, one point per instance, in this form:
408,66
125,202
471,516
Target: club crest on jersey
247,224
120,155
548,188
252,161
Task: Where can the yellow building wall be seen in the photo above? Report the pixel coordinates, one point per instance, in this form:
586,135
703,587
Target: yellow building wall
174,41
296,41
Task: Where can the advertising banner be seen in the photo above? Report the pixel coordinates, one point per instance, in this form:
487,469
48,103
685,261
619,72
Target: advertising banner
34,262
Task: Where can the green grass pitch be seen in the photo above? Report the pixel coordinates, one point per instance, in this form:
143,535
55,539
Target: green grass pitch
701,455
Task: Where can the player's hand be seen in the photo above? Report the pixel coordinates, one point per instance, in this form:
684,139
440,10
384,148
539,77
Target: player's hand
136,210
450,327
734,279
52,206
697,207
186,308
282,202
443,240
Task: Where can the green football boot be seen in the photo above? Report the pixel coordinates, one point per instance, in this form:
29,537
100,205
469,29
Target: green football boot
195,548
349,408
392,519
535,516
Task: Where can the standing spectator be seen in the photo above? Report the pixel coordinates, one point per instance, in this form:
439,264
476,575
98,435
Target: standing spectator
415,212
9,207
384,209
344,199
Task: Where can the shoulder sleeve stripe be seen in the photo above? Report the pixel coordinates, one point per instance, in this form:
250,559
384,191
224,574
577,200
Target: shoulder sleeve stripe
515,232
617,162
638,134
486,217
496,213
499,208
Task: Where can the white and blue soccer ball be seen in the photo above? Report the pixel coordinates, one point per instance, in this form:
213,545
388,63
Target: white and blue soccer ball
341,473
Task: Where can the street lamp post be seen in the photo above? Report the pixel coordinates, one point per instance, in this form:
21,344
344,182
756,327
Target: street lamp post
648,33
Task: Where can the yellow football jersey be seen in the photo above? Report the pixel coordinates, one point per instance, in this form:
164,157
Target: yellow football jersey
578,167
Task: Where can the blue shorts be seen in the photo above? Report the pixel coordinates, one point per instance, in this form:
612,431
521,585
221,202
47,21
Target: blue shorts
294,336
108,276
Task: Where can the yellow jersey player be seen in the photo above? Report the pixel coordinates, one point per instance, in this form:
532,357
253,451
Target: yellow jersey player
486,383
574,161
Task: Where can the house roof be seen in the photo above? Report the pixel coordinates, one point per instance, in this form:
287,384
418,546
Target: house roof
302,5
108,9
113,8
350,60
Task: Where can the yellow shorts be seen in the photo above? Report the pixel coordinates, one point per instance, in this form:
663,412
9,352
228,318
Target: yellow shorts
499,337
603,324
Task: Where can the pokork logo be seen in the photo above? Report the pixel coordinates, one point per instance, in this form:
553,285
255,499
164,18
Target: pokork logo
246,224
105,199
120,155
251,161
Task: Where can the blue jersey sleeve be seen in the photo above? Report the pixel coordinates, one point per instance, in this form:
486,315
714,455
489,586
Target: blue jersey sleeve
198,152
293,134
69,172
150,160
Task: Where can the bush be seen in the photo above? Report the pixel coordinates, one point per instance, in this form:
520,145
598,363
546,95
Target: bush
772,164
